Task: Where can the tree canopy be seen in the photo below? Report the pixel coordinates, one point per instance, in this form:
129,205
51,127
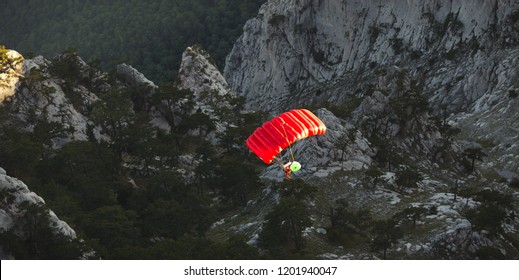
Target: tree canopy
150,35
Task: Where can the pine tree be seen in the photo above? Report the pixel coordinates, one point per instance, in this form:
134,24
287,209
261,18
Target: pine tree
408,177
284,225
474,154
385,234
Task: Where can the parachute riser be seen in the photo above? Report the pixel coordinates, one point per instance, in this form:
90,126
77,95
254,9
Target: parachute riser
286,138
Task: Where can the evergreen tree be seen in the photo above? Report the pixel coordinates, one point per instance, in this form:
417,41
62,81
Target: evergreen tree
408,177
236,248
514,183
284,225
495,208
348,225
385,234
166,219
19,152
412,214
372,176
474,154
110,227
114,113
172,102
235,178
88,171
44,132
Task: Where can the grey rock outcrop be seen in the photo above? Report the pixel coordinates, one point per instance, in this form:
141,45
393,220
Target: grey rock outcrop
199,74
10,74
310,51
462,53
133,77
16,196
343,147
210,92
46,96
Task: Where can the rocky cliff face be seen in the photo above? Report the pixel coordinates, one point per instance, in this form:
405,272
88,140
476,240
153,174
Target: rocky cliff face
64,90
210,91
17,211
462,53
10,213
46,95
10,74
296,52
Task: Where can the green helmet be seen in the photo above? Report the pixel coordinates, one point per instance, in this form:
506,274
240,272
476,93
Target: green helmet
295,166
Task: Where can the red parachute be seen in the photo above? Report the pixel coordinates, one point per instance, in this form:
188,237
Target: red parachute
275,135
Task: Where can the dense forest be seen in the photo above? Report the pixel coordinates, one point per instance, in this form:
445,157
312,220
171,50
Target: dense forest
129,197
150,35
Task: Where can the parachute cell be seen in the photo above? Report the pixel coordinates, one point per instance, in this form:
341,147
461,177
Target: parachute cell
275,135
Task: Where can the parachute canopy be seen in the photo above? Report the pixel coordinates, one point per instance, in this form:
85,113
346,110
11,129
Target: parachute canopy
275,135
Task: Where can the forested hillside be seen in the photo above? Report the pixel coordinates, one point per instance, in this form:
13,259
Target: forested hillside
149,35
129,189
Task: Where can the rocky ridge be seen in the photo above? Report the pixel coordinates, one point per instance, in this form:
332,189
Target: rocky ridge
14,216
296,48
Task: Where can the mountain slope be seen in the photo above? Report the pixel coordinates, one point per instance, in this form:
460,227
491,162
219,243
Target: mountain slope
326,50
430,85
117,157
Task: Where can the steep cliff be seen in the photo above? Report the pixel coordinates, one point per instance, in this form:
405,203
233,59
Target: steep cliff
210,91
60,91
23,216
462,54
300,52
